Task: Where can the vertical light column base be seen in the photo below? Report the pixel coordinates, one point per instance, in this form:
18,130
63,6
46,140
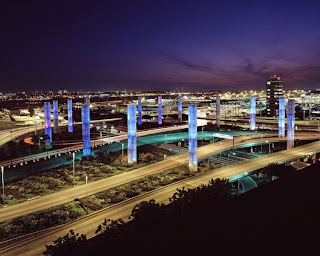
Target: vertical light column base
56,127
130,163
193,167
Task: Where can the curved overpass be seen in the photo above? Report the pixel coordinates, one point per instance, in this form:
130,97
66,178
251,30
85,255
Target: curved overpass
34,244
68,195
10,134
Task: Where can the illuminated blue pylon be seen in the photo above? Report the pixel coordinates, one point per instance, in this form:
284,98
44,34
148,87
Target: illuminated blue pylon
70,118
159,109
139,111
85,117
132,134
56,116
192,119
47,124
290,123
252,113
282,116
218,112
180,109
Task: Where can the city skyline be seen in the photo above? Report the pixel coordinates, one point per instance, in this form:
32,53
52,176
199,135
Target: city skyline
159,46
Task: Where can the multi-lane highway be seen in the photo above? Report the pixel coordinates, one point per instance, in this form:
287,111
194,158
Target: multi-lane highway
34,244
107,183
40,166
94,143
10,134
266,123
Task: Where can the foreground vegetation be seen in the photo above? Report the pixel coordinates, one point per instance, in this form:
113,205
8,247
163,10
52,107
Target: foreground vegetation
211,218
100,166
81,207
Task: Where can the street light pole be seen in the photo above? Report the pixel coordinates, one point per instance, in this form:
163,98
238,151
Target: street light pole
2,171
86,185
202,135
164,158
74,171
122,152
35,126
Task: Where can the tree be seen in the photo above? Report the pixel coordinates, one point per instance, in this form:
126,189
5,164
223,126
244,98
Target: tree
279,170
31,110
66,244
147,210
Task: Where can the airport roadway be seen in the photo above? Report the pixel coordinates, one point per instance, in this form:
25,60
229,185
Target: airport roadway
40,166
10,134
68,195
34,244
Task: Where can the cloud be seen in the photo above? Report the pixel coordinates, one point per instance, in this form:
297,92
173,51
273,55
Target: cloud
185,63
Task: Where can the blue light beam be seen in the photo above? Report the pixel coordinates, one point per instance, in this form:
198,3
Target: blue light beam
56,116
139,111
192,118
85,116
70,118
290,124
47,124
132,134
252,113
282,115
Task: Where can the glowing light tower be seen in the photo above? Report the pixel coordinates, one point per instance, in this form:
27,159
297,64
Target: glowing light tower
159,109
132,134
218,112
282,116
290,124
180,109
193,158
139,111
70,118
47,124
85,117
55,116
88,100
252,113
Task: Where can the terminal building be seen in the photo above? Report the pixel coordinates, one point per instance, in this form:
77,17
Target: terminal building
274,92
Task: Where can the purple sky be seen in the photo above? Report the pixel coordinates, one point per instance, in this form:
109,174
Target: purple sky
113,45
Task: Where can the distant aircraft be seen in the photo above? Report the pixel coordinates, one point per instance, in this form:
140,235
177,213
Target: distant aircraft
25,119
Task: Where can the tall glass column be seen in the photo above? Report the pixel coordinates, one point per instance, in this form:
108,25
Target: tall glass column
56,116
252,113
193,158
132,134
218,112
139,111
70,118
180,109
47,124
282,115
85,116
88,100
290,124
159,109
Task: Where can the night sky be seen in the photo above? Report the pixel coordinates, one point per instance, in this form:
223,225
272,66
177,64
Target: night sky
158,45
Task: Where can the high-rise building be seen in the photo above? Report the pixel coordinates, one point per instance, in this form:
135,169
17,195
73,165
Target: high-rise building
274,92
